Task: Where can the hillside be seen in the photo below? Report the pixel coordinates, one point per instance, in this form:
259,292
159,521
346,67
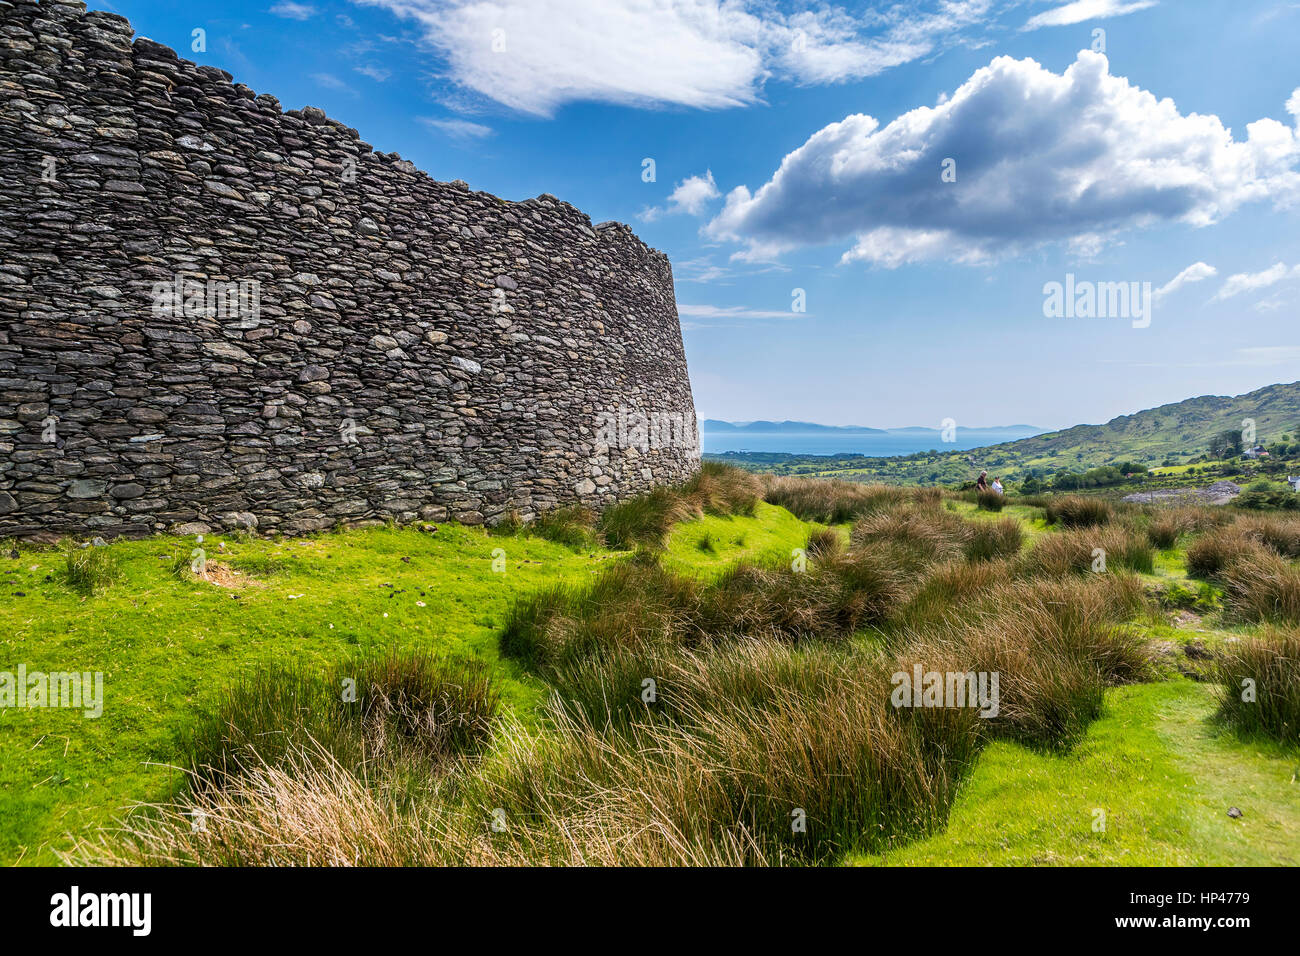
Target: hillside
1176,433
1181,430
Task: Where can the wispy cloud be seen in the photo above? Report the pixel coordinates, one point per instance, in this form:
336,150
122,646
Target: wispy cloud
332,82
1196,272
458,128
376,73
537,55
293,11
734,312
1082,10
1244,282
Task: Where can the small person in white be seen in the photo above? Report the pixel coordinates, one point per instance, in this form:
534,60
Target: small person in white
997,485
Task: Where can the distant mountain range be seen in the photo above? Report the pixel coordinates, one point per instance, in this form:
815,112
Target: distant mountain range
812,428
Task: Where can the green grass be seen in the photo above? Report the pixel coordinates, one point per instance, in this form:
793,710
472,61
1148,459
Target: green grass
168,646
1159,767
771,534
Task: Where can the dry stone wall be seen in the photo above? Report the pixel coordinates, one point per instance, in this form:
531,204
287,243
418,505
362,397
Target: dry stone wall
218,313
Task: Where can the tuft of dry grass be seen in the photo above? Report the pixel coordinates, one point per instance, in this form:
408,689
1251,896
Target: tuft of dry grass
824,543
1261,586
1077,511
990,540
916,536
835,502
1086,549
1259,684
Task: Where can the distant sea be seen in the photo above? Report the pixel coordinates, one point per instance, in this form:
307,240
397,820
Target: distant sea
873,445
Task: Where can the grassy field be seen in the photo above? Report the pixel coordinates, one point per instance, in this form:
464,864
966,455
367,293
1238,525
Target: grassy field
1153,758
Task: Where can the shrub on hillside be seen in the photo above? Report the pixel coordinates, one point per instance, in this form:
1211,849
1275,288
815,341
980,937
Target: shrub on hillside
645,520
1278,532
1165,529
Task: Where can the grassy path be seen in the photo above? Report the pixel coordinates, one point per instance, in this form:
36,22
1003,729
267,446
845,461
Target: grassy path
1158,767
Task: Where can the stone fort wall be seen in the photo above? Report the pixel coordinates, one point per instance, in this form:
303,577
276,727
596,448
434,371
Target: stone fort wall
214,311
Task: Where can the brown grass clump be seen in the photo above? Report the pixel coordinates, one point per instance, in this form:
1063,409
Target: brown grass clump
1259,680
1261,586
1077,511
990,540
916,536
834,502
823,543
1090,548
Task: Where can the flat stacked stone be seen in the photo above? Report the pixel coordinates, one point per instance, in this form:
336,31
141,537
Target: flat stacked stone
418,350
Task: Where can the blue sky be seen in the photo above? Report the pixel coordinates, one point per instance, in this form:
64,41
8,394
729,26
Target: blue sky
801,147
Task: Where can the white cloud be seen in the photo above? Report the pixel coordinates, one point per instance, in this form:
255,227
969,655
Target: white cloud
734,312
691,196
1268,355
376,73
1244,282
458,128
1196,272
1082,10
332,82
537,55
1040,157
293,11
1293,104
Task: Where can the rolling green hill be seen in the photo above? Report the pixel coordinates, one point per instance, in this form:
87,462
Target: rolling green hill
1178,432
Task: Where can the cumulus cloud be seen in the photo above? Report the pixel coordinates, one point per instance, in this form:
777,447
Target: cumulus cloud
536,55
1037,156
1196,272
691,196
1082,10
1244,282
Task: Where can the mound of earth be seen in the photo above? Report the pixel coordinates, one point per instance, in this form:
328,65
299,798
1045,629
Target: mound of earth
1219,493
